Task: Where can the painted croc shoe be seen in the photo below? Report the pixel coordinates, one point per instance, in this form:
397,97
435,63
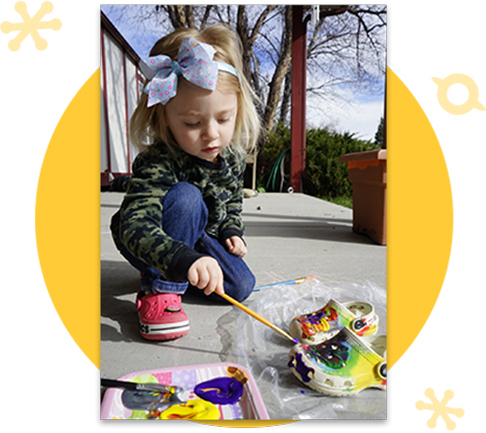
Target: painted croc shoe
323,324
344,365
161,316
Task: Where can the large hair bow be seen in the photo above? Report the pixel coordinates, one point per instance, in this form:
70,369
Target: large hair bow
194,62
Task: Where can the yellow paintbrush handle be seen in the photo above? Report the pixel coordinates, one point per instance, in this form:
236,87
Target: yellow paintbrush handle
256,316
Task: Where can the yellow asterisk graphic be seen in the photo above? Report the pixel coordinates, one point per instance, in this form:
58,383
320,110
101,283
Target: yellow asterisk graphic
440,409
30,26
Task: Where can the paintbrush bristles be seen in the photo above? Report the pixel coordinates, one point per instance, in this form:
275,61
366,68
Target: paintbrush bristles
256,316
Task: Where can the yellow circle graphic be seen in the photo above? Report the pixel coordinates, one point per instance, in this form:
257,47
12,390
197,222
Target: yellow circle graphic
419,220
472,101
67,218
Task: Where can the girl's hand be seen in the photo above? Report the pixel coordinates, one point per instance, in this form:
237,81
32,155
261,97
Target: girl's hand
206,274
236,246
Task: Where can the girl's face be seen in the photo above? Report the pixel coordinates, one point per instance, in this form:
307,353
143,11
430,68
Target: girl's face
202,121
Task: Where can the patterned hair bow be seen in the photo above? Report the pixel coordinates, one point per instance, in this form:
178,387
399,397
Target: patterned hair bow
195,63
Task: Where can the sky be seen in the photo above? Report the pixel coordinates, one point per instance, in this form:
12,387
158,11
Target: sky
355,113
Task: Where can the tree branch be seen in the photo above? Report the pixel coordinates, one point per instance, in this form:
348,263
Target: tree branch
259,23
205,18
189,12
281,70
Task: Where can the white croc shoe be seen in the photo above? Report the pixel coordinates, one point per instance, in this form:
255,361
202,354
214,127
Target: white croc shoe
323,324
344,365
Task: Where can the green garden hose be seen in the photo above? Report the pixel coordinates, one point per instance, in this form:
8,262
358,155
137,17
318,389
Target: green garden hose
272,180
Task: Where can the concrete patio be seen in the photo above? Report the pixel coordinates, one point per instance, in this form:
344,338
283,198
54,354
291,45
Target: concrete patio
288,236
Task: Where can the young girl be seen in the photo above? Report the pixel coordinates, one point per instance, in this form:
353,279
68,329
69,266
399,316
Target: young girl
180,221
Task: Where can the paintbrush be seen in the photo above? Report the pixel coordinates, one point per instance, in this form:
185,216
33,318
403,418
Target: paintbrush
295,281
134,386
258,317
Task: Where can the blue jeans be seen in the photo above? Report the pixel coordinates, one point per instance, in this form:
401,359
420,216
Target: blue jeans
184,219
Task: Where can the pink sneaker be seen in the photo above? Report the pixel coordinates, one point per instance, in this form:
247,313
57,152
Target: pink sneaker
161,316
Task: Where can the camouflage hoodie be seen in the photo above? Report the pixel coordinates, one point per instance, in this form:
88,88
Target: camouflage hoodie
138,223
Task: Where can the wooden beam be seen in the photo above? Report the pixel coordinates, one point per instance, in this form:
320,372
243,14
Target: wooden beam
299,83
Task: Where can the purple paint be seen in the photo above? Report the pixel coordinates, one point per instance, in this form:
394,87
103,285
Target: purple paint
221,390
300,367
316,317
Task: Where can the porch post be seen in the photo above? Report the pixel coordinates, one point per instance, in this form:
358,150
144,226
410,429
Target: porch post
299,69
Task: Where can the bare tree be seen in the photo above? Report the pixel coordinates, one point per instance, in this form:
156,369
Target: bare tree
347,47
281,70
248,35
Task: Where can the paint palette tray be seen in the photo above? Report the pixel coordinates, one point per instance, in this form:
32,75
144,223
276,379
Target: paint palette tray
249,407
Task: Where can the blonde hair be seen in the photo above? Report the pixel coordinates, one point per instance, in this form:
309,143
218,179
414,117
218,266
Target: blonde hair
150,122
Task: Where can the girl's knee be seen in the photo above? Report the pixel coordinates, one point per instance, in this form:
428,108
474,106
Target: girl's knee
183,193
184,199
242,288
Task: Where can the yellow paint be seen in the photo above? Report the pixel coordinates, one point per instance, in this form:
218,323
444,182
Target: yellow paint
193,409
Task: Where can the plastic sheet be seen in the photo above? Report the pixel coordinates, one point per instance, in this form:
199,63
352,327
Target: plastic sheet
264,352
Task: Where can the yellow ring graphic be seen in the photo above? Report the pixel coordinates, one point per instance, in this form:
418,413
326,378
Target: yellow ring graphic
472,101
419,221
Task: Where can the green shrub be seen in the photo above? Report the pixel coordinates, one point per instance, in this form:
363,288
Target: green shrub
324,177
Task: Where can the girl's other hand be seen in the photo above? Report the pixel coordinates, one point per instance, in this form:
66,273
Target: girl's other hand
236,246
206,274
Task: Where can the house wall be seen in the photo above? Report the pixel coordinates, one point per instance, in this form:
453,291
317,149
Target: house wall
120,80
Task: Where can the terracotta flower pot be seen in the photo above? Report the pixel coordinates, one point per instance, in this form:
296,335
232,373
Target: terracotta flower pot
367,173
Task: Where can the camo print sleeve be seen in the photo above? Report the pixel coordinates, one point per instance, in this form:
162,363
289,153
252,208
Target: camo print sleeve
232,225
